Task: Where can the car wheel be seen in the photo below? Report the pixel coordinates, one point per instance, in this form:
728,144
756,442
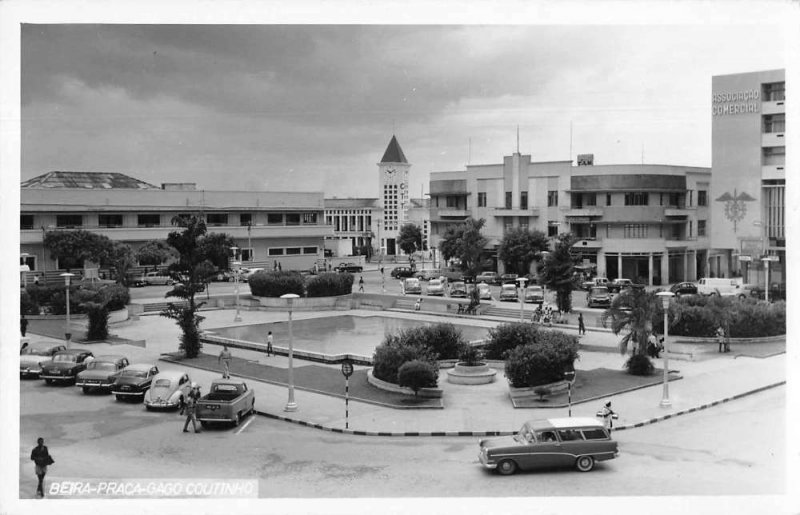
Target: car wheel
584,463
507,467
119,398
148,408
238,419
85,389
48,381
203,424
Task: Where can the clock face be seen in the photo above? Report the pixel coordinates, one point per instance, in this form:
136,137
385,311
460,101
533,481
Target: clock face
390,172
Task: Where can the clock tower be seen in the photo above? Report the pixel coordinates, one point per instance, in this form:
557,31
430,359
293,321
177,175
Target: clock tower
394,196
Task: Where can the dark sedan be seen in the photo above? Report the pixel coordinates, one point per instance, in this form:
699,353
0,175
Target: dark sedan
401,272
101,373
133,381
684,289
65,366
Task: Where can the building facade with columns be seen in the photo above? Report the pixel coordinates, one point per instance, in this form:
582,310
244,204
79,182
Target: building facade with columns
643,222
748,186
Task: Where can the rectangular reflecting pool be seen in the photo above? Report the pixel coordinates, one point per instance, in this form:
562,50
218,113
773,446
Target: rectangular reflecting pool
334,335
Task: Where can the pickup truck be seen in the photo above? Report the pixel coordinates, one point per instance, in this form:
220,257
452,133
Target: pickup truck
228,400
349,268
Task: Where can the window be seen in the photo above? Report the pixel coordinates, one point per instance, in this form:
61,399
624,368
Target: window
702,198
775,123
109,220
275,219
523,200
636,199
523,223
552,229
217,219
245,219
591,199
26,221
552,198
309,250
608,199
508,199
293,251
594,434
508,223
774,156
674,199
775,92
311,218
292,218
568,435
481,199
635,231
148,220
247,254
701,227
274,252
69,221
452,201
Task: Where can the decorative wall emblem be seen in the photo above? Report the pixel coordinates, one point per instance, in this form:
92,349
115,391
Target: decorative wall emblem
735,207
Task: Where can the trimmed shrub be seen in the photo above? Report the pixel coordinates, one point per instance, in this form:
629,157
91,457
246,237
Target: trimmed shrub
543,361
443,339
470,355
98,321
639,365
330,285
505,337
417,374
746,318
114,296
58,302
275,284
27,306
390,355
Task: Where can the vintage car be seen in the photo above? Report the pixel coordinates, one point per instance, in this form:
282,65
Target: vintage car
351,268
412,286
246,273
557,442
595,281
619,284
100,373
484,291
509,279
133,381
168,390
685,288
400,272
158,278
598,296
458,289
228,400
435,287
508,292
65,366
534,294
488,278
32,357
426,274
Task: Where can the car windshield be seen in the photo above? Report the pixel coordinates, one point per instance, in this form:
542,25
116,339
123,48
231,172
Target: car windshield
36,352
163,383
435,282
134,373
101,365
509,287
600,291
535,289
65,358
458,285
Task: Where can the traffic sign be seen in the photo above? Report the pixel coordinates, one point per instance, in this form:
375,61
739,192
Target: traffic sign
347,368
770,258
569,376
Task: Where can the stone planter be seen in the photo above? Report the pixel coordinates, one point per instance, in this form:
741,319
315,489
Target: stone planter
471,374
430,393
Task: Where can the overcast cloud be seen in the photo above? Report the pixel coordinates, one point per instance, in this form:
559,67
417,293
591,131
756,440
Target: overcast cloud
312,107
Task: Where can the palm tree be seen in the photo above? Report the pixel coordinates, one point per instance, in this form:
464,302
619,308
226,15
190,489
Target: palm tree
637,312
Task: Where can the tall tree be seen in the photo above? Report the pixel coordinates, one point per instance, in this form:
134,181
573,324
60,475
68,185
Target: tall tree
410,238
520,247
558,270
72,248
122,261
154,252
465,242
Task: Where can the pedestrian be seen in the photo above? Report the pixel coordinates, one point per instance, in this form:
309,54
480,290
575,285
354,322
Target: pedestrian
653,346
42,459
24,346
381,269
721,338
581,326
418,304
190,408
361,283
23,325
225,357
608,415
280,269
269,344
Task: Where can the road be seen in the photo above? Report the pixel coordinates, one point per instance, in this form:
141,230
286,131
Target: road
736,448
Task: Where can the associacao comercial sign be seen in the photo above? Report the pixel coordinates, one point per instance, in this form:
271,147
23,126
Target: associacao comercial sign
736,102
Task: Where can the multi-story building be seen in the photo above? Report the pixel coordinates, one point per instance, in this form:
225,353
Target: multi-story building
354,223
269,227
394,196
645,222
748,178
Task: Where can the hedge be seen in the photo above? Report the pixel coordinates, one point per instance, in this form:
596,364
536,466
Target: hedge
390,355
329,285
417,374
747,318
443,339
112,296
543,361
506,337
275,284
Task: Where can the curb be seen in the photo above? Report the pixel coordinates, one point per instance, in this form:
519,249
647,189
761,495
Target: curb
502,433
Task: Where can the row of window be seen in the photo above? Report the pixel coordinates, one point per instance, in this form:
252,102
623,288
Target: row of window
155,219
590,199
291,251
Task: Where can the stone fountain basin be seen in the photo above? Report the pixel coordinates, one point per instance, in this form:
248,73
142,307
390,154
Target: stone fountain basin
471,374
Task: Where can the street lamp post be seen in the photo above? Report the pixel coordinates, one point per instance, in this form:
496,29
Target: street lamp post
766,260
236,268
666,297
67,334
522,281
291,405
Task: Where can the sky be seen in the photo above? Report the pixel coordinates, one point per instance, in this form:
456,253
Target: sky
313,107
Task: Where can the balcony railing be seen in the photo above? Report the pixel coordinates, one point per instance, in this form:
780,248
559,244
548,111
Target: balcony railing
515,211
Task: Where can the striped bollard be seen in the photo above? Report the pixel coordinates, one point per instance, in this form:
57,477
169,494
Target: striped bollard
347,371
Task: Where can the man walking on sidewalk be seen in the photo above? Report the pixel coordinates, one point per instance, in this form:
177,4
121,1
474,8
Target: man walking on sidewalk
225,357
269,344
41,457
191,408
581,326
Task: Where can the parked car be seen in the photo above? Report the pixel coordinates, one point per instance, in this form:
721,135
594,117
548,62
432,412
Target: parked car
101,373
426,274
484,291
458,289
349,268
400,272
508,279
228,400
719,286
534,294
246,273
508,292
168,390
225,276
65,365
557,442
595,281
685,288
32,357
488,278
598,296
161,278
135,280
133,381
411,285
435,287
777,291
619,284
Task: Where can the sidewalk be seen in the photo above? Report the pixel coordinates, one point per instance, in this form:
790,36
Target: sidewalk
468,409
